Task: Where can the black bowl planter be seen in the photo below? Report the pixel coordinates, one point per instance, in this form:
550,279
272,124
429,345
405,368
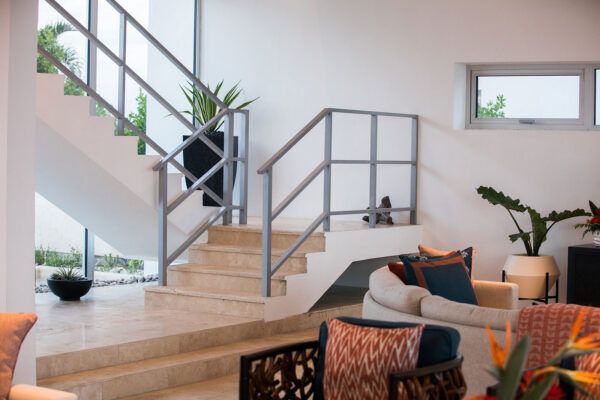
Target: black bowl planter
70,290
198,158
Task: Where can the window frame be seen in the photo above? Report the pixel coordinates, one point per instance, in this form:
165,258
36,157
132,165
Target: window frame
587,96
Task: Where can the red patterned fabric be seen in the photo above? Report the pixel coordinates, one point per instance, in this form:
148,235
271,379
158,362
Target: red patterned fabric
549,327
590,363
359,360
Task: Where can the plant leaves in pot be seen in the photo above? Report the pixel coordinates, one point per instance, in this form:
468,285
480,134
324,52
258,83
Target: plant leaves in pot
68,284
528,270
198,158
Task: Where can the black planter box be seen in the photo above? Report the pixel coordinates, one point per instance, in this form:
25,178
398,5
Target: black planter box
70,290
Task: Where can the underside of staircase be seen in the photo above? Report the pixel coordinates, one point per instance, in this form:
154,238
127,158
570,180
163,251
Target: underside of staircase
224,275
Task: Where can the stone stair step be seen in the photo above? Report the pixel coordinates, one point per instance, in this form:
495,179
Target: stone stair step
251,237
167,372
227,255
189,298
210,277
224,388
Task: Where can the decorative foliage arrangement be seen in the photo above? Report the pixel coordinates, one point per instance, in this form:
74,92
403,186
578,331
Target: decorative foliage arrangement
203,109
532,239
541,383
592,224
67,274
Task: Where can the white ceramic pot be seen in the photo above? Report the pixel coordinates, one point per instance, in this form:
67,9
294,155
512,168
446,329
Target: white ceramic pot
530,274
596,236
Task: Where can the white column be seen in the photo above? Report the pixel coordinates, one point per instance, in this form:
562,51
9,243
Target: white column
18,23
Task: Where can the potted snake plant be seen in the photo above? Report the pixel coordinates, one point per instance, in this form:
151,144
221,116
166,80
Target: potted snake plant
198,158
528,270
68,284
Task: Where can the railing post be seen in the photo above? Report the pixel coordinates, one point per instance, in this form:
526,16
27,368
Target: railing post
162,226
122,72
88,254
413,170
243,218
92,64
228,169
327,174
266,232
373,173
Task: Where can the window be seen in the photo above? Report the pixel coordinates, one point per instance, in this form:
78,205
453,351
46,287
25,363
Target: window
562,96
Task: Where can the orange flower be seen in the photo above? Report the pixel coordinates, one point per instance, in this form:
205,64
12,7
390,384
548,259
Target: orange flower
586,377
589,342
499,355
577,325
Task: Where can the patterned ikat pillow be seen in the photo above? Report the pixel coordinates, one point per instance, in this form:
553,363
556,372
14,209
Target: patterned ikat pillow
359,360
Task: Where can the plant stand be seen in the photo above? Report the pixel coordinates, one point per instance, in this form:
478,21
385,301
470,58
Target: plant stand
546,297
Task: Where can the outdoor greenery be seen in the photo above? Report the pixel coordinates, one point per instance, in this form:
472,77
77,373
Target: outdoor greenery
203,109
493,109
67,274
116,264
53,258
48,38
138,118
533,238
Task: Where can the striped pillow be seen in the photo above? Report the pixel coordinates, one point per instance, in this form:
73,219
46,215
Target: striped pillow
359,360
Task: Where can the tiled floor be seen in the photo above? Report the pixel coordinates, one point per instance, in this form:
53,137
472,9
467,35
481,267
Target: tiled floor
112,315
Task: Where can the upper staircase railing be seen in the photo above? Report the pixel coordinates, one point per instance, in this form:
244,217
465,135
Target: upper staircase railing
165,258
269,214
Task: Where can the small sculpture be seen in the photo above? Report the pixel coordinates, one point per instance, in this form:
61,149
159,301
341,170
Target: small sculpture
384,217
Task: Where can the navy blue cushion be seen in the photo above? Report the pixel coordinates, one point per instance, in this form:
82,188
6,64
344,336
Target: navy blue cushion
446,277
438,344
467,255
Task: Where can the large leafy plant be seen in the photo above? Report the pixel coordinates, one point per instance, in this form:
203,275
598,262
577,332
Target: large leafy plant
203,109
533,238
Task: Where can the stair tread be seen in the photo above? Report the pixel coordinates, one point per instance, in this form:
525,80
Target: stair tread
251,228
225,387
225,270
213,294
213,353
238,249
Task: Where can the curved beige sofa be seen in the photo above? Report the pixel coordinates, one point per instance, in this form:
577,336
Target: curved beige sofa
390,299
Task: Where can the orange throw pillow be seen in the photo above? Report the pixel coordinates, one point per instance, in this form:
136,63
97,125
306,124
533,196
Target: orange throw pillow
429,252
359,360
13,329
398,269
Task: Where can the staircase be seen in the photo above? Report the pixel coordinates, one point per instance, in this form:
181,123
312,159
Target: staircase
224,275
98,178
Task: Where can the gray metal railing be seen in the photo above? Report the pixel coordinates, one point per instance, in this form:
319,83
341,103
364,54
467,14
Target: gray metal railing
227,157
269,214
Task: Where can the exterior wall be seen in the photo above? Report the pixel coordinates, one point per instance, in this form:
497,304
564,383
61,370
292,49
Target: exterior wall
302,55
17,138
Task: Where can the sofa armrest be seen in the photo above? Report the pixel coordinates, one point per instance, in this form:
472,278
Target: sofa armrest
497,294
389,291
28,392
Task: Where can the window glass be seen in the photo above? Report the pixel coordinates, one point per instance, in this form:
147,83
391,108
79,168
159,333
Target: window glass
597,97
528,97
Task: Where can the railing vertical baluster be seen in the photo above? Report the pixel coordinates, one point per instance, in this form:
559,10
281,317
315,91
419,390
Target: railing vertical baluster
228,168
243,219
162,226
373,173
413,169
327,174
266,232
122,72
92,64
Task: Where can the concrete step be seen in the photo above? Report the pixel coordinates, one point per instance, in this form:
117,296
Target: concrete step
221,278
190,298
251,237
224,388
232,256
161,373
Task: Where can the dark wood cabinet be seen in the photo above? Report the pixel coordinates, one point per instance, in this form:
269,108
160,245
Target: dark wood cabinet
583,280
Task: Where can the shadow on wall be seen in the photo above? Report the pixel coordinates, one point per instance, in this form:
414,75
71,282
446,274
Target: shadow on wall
357,273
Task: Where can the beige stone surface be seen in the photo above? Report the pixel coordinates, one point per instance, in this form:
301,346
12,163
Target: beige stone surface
225,388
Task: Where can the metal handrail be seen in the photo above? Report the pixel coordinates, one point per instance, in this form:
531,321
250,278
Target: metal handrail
164,207
269,214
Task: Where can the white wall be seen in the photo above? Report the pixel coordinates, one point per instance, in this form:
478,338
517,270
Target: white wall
17,134
401,55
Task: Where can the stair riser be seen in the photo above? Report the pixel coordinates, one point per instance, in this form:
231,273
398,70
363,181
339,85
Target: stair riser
250,260
163,378
208,282
254,239
179,301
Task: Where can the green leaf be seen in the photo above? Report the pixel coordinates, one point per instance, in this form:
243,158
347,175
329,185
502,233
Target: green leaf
594,208
539,390
511,378
561,216
522,235
499,198
539,229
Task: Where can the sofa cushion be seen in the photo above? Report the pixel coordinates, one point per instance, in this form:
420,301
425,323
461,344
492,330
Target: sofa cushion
447,277
438,344
467,254
359,359
391,292
444,310
397,268
13,329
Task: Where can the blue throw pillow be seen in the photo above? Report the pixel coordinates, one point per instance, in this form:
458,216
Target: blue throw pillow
438,344
447,277
467,255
